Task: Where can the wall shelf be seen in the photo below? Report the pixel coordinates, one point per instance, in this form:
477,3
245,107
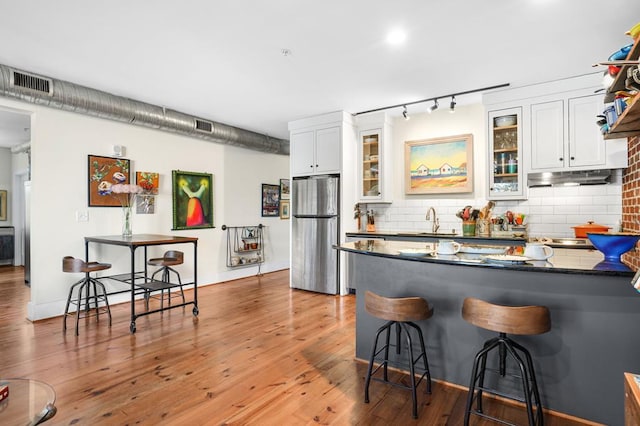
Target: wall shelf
245,246
628,124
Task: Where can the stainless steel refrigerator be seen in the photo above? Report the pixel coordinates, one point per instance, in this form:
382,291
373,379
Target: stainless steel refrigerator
315,207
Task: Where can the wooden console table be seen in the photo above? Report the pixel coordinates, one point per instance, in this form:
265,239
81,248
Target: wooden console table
141,279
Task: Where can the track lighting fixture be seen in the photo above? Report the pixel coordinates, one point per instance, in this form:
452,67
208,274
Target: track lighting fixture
452,105
405,114
433,107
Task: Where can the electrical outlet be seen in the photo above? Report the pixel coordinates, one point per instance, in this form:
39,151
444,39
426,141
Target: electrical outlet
82,216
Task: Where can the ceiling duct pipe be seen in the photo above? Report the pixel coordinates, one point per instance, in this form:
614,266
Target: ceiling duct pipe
72,97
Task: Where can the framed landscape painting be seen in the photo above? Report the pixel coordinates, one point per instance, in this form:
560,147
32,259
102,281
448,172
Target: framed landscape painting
439,166
192,200
103,173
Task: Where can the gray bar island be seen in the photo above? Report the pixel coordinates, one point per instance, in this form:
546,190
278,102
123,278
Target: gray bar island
595,314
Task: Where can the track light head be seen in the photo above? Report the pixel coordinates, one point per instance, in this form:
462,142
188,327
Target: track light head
452,105
405,114
433,107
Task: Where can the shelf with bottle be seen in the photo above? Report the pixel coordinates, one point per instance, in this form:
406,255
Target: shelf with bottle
245,246
504,166
627,123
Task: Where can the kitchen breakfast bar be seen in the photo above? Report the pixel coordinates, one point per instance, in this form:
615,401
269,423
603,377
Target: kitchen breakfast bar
580,363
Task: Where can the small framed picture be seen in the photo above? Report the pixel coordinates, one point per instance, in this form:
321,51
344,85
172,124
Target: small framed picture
270,200
284,209
285,192
3,204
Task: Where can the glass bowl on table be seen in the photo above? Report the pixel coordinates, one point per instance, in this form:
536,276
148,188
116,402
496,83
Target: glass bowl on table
614,244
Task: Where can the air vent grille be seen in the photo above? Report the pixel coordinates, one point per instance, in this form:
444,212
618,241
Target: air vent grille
31,82
204,126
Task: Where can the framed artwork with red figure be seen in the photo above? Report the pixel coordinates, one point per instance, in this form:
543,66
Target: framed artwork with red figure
192,200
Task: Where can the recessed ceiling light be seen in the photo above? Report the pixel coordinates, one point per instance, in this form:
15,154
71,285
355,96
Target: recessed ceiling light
396,37
285,52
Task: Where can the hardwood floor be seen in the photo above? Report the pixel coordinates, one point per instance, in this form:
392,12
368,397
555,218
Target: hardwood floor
258,353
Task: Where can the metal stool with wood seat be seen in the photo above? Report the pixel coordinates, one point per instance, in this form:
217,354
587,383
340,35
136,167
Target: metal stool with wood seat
520,320
170,258
400,314
87,291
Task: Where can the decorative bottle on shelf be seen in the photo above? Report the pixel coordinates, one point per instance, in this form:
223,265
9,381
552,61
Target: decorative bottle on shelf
511,167
503,163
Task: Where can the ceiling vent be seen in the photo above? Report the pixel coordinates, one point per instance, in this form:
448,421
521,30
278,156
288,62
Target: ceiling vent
31,82
204,126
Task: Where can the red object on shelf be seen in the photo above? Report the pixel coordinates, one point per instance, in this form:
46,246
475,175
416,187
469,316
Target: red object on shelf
4,392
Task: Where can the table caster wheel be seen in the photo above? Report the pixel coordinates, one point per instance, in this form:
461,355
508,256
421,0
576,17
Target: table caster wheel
196,311
132,327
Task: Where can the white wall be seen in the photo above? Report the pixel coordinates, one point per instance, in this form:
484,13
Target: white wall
245,173
550,211
61,142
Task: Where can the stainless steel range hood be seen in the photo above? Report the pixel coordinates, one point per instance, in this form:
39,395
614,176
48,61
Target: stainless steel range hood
584,177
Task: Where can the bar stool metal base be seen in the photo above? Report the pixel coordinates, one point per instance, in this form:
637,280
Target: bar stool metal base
90,291
166,277
505,346
384,362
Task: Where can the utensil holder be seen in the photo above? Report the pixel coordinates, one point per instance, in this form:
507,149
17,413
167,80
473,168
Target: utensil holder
469,228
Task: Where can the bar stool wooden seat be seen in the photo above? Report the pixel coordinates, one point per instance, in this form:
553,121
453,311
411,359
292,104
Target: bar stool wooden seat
87,291
519,320
169,259
400,313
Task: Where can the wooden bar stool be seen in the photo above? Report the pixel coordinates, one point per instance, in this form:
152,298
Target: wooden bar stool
87,291
170,258
520,320
400,314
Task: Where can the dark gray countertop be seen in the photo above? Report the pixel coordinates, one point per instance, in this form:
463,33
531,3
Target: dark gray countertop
570,261
428,236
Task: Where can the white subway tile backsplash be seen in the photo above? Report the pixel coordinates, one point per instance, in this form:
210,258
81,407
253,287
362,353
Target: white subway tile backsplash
540,210
566,209
550,211
593,209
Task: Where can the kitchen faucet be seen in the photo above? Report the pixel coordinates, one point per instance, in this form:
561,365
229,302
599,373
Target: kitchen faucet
436,222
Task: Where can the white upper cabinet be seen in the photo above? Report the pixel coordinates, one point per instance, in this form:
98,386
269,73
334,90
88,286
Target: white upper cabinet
328,150
587,147
547,135
316,151
564,135
302,152
559,130
316,145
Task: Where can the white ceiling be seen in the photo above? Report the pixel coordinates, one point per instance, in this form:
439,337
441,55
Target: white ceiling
222,60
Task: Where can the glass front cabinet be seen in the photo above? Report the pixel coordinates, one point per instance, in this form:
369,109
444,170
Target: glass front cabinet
374,164
506,180
370,177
